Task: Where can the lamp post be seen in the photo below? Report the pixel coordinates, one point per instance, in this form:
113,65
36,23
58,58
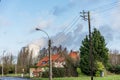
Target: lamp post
49,49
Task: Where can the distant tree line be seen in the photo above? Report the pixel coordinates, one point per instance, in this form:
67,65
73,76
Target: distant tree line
25,60
8,62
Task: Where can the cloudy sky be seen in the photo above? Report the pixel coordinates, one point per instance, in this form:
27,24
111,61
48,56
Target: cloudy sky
60,19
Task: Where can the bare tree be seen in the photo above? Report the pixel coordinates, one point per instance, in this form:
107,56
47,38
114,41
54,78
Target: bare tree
8,62
114,57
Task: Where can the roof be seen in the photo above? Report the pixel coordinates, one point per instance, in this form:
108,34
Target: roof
74,55
45,60
56,57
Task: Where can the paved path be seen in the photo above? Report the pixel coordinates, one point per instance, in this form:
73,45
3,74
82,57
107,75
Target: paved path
12,78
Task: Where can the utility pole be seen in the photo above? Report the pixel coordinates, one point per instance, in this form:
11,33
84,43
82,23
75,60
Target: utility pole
86,17
50,63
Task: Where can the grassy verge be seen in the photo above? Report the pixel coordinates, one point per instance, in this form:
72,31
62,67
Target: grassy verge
109,77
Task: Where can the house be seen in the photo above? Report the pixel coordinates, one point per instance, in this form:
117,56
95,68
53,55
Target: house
58,59
34,72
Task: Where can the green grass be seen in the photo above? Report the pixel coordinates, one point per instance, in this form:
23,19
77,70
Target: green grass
109,77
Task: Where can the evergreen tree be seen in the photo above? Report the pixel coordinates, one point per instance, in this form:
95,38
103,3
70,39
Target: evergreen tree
99,52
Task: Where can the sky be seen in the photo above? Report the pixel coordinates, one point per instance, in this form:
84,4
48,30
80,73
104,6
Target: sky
60,19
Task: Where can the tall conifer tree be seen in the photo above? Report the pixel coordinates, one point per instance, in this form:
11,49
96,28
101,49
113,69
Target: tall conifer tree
99,52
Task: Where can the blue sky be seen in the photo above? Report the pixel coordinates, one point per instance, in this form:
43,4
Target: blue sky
19,18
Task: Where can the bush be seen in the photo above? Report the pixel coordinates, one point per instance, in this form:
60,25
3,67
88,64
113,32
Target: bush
115,69
97,74
99,66
45,74
58,72
79,72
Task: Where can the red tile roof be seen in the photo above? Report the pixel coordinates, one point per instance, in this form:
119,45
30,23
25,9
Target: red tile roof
56,57
44,61
73,54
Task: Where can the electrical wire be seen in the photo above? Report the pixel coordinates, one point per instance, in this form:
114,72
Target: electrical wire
67,29
60,38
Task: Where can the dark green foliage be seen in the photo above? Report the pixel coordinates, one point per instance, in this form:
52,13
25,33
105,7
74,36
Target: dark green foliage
79,72
45,74
115,69
58,72
99,51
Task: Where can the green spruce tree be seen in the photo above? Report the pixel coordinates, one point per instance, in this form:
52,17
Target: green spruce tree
99,52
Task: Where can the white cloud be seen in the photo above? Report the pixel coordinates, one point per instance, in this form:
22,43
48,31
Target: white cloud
71,39
97,19
40,42
44,23
115,18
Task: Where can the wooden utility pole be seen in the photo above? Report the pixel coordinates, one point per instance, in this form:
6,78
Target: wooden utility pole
86,17
50,63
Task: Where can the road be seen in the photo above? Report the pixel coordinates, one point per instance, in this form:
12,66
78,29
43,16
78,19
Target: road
12,78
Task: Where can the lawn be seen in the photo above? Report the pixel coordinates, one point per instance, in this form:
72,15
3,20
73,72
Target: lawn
109,77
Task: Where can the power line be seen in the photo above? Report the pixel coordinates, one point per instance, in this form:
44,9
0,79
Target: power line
65,31
72,27
67,27
103,9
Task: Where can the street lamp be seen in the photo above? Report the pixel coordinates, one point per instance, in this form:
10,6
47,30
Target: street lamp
49,49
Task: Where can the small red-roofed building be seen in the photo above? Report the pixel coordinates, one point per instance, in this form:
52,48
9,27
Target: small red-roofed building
58,60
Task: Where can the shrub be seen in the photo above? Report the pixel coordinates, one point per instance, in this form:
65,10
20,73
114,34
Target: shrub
45,74
58,72
97,74
99,66
79,72
115,69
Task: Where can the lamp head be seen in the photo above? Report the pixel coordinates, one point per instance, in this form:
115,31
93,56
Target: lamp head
37,29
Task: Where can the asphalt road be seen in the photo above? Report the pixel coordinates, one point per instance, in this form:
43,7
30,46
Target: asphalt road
12,78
